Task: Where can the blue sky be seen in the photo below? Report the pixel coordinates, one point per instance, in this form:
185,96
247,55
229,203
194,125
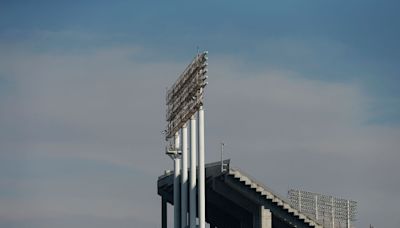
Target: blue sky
82,90
343,40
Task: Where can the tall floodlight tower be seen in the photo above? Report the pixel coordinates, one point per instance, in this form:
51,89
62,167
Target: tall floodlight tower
331,211
185,102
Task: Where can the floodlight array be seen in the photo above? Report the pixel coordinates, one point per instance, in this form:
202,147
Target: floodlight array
323,207
185,97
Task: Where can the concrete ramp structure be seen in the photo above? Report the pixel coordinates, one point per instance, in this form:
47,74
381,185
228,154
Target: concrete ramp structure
235,200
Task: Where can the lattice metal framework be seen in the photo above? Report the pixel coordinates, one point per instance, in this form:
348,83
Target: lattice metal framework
185,97
328,210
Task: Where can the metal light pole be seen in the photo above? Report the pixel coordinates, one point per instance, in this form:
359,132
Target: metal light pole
184,185
202,197
177,170
192,191
184,99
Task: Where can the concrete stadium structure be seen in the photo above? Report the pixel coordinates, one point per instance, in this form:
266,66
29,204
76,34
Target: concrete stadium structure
235,200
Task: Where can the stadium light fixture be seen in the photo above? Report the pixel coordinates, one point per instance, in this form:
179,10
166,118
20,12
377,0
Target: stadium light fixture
332,211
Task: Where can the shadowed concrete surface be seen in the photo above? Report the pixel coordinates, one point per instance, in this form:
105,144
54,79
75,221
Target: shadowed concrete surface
235,200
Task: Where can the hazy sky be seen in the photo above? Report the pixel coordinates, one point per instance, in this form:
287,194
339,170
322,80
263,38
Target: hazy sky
305,94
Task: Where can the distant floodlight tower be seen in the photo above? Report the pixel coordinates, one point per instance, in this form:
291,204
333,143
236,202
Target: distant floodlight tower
184,99
328,210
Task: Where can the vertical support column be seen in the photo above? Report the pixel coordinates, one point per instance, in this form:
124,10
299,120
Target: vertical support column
192,189
202,192
348,214
316,207
177,170
332,213
299,200
265,217
184,174
163,213
222,157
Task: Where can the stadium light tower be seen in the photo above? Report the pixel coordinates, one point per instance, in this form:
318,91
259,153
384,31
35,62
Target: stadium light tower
331,211
184,99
